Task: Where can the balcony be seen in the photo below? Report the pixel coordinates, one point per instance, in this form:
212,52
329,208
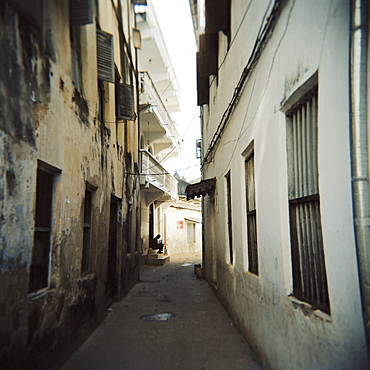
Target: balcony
155,120
160,185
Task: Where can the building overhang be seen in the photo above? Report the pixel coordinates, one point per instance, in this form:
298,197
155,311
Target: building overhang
203,187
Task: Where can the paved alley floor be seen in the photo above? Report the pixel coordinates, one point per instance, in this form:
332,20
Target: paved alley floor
169,320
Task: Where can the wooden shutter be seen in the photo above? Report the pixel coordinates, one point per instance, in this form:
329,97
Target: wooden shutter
80,12
218,16
104,43
202,86
125,102
208,55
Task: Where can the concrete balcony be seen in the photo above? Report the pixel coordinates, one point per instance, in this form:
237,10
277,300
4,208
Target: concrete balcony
155,120
159,185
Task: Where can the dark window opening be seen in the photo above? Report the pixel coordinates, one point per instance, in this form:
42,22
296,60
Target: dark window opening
39,269
229,216
111,284
251,215
86,251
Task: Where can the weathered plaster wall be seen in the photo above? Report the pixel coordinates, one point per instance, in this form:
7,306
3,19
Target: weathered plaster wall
286,332
45,118
178,215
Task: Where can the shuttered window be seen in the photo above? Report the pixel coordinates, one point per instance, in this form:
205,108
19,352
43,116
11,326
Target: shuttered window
125,108
309,272
105,59
80,12
251,215
208,55
218,16
202,86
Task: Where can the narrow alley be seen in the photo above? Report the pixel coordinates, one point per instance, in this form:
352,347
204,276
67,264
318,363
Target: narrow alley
196,332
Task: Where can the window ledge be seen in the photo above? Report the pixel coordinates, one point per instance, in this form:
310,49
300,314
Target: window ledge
308,310
33,296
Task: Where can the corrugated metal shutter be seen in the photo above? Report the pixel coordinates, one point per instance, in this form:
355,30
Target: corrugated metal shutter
104,43
139,2
126,102
80,12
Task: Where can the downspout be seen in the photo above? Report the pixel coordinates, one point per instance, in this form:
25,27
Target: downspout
359,151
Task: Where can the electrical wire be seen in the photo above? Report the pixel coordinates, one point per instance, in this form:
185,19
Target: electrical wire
264,33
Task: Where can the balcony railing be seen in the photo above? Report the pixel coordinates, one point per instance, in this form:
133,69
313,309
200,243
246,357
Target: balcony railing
149,95
154,174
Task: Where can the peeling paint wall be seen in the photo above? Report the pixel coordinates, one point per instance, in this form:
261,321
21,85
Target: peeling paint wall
48,122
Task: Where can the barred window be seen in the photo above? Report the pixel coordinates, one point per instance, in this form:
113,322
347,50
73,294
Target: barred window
308,259
251,215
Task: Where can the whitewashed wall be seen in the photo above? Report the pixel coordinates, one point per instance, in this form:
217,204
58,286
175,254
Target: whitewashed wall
310,37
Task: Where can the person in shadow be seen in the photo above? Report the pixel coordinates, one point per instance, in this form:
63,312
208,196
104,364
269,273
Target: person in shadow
156,243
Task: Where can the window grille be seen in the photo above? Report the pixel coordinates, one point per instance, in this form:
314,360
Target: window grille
80,12
251,215
309,272
105,58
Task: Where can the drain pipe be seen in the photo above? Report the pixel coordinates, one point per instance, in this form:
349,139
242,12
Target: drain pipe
359,151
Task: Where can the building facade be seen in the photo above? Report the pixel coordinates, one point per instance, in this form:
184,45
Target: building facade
159,138
70,199
283,92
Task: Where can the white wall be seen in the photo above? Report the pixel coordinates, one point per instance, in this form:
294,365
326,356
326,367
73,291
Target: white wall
179,217
286,332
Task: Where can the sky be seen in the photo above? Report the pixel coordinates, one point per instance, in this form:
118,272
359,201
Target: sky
174,17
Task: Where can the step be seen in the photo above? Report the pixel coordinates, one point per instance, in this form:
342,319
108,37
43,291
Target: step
159,261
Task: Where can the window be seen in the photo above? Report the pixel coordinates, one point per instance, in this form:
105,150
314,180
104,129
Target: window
229,215
105,58
86,251
40,262
75,34
251,215
191,232
80,12
125,101
308,260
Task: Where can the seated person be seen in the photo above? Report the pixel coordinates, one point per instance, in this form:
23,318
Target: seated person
157,244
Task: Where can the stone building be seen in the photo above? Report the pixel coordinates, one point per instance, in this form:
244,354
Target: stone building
283,88
70,200
159,137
